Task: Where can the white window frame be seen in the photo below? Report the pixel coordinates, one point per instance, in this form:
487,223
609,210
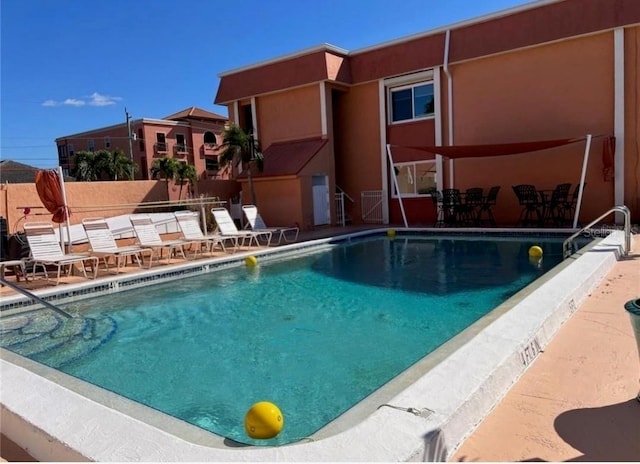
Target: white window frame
410,81
107,142
91,145
413,117
412,166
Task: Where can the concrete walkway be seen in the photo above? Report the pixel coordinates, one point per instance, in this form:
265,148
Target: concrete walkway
576,402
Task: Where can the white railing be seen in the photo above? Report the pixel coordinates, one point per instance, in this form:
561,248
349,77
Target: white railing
372,205
567,248
341,217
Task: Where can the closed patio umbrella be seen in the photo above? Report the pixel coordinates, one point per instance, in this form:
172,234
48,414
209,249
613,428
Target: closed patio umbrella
50,187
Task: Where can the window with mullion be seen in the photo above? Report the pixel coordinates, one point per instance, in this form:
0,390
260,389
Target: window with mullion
412,102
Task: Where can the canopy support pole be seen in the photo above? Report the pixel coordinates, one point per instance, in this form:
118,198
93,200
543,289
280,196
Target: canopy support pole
66,212
585,159
395,182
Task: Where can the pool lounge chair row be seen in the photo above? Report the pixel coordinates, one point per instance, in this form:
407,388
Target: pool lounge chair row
46,249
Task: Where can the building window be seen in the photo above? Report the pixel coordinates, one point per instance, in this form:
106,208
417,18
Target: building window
415,179
181,144
210,139
412,102
71,151
211,164
161,142
140,140
91,145
107,142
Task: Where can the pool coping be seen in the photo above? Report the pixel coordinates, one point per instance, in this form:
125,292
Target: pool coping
54,423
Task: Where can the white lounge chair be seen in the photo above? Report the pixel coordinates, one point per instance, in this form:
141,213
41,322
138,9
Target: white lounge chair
256,223
190,228
148,237
227,228
103,245
45,250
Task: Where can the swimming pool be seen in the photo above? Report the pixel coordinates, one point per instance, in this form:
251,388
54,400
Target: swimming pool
399,253
314,334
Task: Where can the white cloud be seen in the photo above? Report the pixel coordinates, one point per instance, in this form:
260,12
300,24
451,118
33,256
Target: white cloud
102,100
74,102
95,99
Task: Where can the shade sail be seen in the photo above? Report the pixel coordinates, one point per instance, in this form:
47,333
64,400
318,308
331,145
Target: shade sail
50,193
500,149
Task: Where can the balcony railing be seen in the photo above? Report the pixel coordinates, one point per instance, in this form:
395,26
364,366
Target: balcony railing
160,147
180,150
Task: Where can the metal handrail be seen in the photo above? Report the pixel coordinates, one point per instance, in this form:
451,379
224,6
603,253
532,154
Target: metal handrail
34,297
566,249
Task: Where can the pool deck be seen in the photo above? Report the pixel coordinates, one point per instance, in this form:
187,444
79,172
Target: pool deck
575,401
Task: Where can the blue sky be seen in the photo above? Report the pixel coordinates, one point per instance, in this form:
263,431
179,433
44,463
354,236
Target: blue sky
73,65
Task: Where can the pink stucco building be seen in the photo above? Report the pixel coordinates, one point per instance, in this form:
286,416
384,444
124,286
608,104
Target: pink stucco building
550,70
192,135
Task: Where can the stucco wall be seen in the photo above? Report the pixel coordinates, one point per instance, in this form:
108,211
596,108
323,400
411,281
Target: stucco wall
554,91
632,120
358,142
85,199
290,115
90,199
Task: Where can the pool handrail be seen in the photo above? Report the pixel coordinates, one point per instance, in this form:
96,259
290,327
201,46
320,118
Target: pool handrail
566,245
35,298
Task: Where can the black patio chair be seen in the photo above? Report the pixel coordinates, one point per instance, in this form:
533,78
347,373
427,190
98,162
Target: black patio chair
470,207
436,197
568,208
553,206
530,202
451,206
488,203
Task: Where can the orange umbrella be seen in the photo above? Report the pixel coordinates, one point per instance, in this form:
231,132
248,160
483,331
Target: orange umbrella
50,192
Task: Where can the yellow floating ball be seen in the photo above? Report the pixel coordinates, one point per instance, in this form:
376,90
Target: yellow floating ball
263,420
535,251
251,261
391,233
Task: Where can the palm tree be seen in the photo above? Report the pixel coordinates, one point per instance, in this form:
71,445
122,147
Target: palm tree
239,147
115,164
186,172
165,168
84,166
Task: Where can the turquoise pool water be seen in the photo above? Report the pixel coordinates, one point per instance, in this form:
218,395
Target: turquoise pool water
314,334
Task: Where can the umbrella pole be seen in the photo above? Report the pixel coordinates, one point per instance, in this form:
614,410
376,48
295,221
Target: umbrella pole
583,174
66,210
395,182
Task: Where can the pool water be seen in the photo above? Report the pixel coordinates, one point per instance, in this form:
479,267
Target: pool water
313,334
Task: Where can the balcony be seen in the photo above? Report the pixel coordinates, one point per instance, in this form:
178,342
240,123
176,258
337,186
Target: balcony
180,150
160,148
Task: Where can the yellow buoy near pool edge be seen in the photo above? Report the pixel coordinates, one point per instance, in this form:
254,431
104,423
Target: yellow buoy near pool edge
263,420
535,251
391,233
251,260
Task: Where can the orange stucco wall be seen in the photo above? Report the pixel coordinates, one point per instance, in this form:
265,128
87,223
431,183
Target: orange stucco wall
357,137
289,115
279,201
106,199
554,91
632,120
85,199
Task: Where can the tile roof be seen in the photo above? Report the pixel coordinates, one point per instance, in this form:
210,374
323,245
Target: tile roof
289,158
13,172
195,113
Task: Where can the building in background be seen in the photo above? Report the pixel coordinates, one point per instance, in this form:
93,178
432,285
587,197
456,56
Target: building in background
192,136
548,70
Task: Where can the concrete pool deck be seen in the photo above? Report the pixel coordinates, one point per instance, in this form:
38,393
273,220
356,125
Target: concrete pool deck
622,374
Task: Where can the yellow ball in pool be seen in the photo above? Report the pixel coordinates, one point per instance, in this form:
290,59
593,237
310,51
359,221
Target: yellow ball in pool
391,233
263,420
251,261
535,251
